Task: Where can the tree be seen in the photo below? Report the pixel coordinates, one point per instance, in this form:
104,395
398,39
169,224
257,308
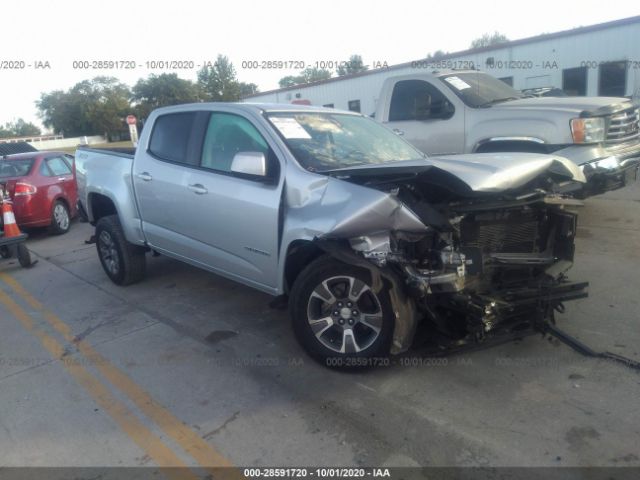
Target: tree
108,105
487,40
19,128
436,55
160,91
218,82
354,65
61,113
290,81
247,89
90,107
308,75
312,74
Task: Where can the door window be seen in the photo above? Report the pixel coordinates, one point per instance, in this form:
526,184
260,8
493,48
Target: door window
170,136
58,166
418,100
226,135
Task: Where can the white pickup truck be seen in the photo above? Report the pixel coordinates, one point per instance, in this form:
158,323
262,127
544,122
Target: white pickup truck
365,234
467,111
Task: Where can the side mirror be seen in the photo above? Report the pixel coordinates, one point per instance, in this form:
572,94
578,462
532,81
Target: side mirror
444,111
250,163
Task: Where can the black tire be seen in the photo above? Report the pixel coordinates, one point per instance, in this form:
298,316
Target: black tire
5,252
123,262
24,257
60,218
335,347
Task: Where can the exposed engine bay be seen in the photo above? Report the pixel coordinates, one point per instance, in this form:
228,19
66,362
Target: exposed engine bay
485,260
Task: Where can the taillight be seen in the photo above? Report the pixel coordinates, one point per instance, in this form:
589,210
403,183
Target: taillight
23,189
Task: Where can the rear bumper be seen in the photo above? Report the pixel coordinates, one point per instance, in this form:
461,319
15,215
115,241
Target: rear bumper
28,221
30,213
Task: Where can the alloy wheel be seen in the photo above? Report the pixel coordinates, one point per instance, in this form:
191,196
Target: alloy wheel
109,253
61,216
344,314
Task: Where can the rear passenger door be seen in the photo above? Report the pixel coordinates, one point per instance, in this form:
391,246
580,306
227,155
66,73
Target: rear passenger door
161,176
60,179
204,212
427,117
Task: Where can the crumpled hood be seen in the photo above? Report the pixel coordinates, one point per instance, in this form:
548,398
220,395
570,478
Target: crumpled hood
480,172
494,172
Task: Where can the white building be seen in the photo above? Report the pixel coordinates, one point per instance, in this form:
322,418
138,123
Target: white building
602,59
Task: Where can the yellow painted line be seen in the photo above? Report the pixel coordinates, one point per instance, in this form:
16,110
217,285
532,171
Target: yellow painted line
162,455
206,455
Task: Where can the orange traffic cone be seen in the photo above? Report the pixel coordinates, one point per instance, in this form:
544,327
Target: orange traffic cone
10,227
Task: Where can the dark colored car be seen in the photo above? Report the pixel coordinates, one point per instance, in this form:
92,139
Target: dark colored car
43,188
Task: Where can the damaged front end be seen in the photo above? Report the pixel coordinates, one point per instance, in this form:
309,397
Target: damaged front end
484,263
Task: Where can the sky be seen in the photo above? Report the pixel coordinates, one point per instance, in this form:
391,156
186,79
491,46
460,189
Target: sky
142,32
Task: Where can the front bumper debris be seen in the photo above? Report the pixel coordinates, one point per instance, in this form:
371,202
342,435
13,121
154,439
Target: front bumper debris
600,181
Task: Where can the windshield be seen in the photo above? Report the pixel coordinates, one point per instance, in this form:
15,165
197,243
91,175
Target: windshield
15,168
329,141
478,89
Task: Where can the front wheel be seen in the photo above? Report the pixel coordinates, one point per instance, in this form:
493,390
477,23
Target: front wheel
337,315
123,262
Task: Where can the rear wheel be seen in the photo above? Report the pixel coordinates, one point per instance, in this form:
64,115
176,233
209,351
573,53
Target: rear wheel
338,317
123,262
60,218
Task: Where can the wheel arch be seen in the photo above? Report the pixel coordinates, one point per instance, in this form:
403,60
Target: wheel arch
63,199
511,144
299,254
100,205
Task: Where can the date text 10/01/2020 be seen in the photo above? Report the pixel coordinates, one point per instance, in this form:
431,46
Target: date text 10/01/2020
319,472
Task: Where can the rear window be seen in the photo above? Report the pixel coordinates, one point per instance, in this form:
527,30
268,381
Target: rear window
170,136
15,168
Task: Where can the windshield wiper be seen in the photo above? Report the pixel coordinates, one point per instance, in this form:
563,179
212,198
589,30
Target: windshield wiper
498,100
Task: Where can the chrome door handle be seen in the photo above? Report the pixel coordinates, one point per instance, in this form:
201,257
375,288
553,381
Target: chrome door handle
198,189
62,179
397,131
145,176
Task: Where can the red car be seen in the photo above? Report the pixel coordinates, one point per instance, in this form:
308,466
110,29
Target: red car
43,188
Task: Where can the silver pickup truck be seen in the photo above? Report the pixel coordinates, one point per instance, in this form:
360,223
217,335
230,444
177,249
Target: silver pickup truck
364,234
467,111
